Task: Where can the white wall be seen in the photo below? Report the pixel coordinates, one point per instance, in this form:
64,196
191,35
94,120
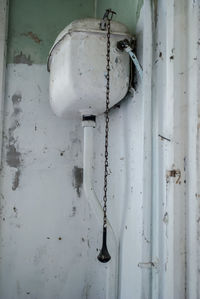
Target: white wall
48,234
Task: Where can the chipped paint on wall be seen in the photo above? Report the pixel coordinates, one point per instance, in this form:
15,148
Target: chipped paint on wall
47,222
45,209
22,58
77,179
40,23
44,217
13,156
33,36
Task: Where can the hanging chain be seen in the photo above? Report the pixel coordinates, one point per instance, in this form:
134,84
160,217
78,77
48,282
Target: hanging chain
109,18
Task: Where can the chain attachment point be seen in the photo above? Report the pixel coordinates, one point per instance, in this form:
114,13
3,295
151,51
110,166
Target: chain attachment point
106,18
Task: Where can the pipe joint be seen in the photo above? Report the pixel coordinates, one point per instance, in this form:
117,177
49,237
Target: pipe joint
89,121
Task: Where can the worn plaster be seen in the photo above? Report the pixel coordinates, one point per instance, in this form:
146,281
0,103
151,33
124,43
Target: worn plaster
40,23
13,156
77,179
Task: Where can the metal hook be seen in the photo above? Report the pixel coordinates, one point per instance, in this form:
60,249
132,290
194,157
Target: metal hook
108,15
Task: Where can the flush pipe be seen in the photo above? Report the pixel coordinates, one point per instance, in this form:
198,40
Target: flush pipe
88,124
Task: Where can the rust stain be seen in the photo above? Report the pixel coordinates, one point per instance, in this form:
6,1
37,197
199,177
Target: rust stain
33,36
174,173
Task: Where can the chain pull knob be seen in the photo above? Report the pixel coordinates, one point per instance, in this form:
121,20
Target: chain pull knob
104,255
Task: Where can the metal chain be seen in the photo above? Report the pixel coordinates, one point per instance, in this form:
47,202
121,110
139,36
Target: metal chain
107,122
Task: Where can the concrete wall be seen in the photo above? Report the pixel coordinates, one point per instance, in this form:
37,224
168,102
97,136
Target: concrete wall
48,234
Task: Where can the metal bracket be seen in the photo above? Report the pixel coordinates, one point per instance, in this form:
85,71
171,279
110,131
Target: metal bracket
124,45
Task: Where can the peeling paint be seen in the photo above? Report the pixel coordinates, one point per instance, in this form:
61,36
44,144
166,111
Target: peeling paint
34,25
16,99
77,179
22,58
33,36
174,173
13,156
166,218
40,187
16,180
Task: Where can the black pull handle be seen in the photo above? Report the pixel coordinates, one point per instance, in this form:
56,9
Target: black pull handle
104,255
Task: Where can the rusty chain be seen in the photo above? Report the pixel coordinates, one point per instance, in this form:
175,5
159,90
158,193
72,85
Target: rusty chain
109,18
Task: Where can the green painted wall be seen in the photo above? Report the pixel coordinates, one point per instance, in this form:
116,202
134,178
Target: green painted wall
34,25
128,11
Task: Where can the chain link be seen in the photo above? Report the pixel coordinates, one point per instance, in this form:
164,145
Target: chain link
106,125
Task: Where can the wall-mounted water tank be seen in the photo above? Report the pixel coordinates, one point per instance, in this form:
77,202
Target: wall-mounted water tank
77,64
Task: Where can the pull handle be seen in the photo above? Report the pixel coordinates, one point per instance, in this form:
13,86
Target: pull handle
104,255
